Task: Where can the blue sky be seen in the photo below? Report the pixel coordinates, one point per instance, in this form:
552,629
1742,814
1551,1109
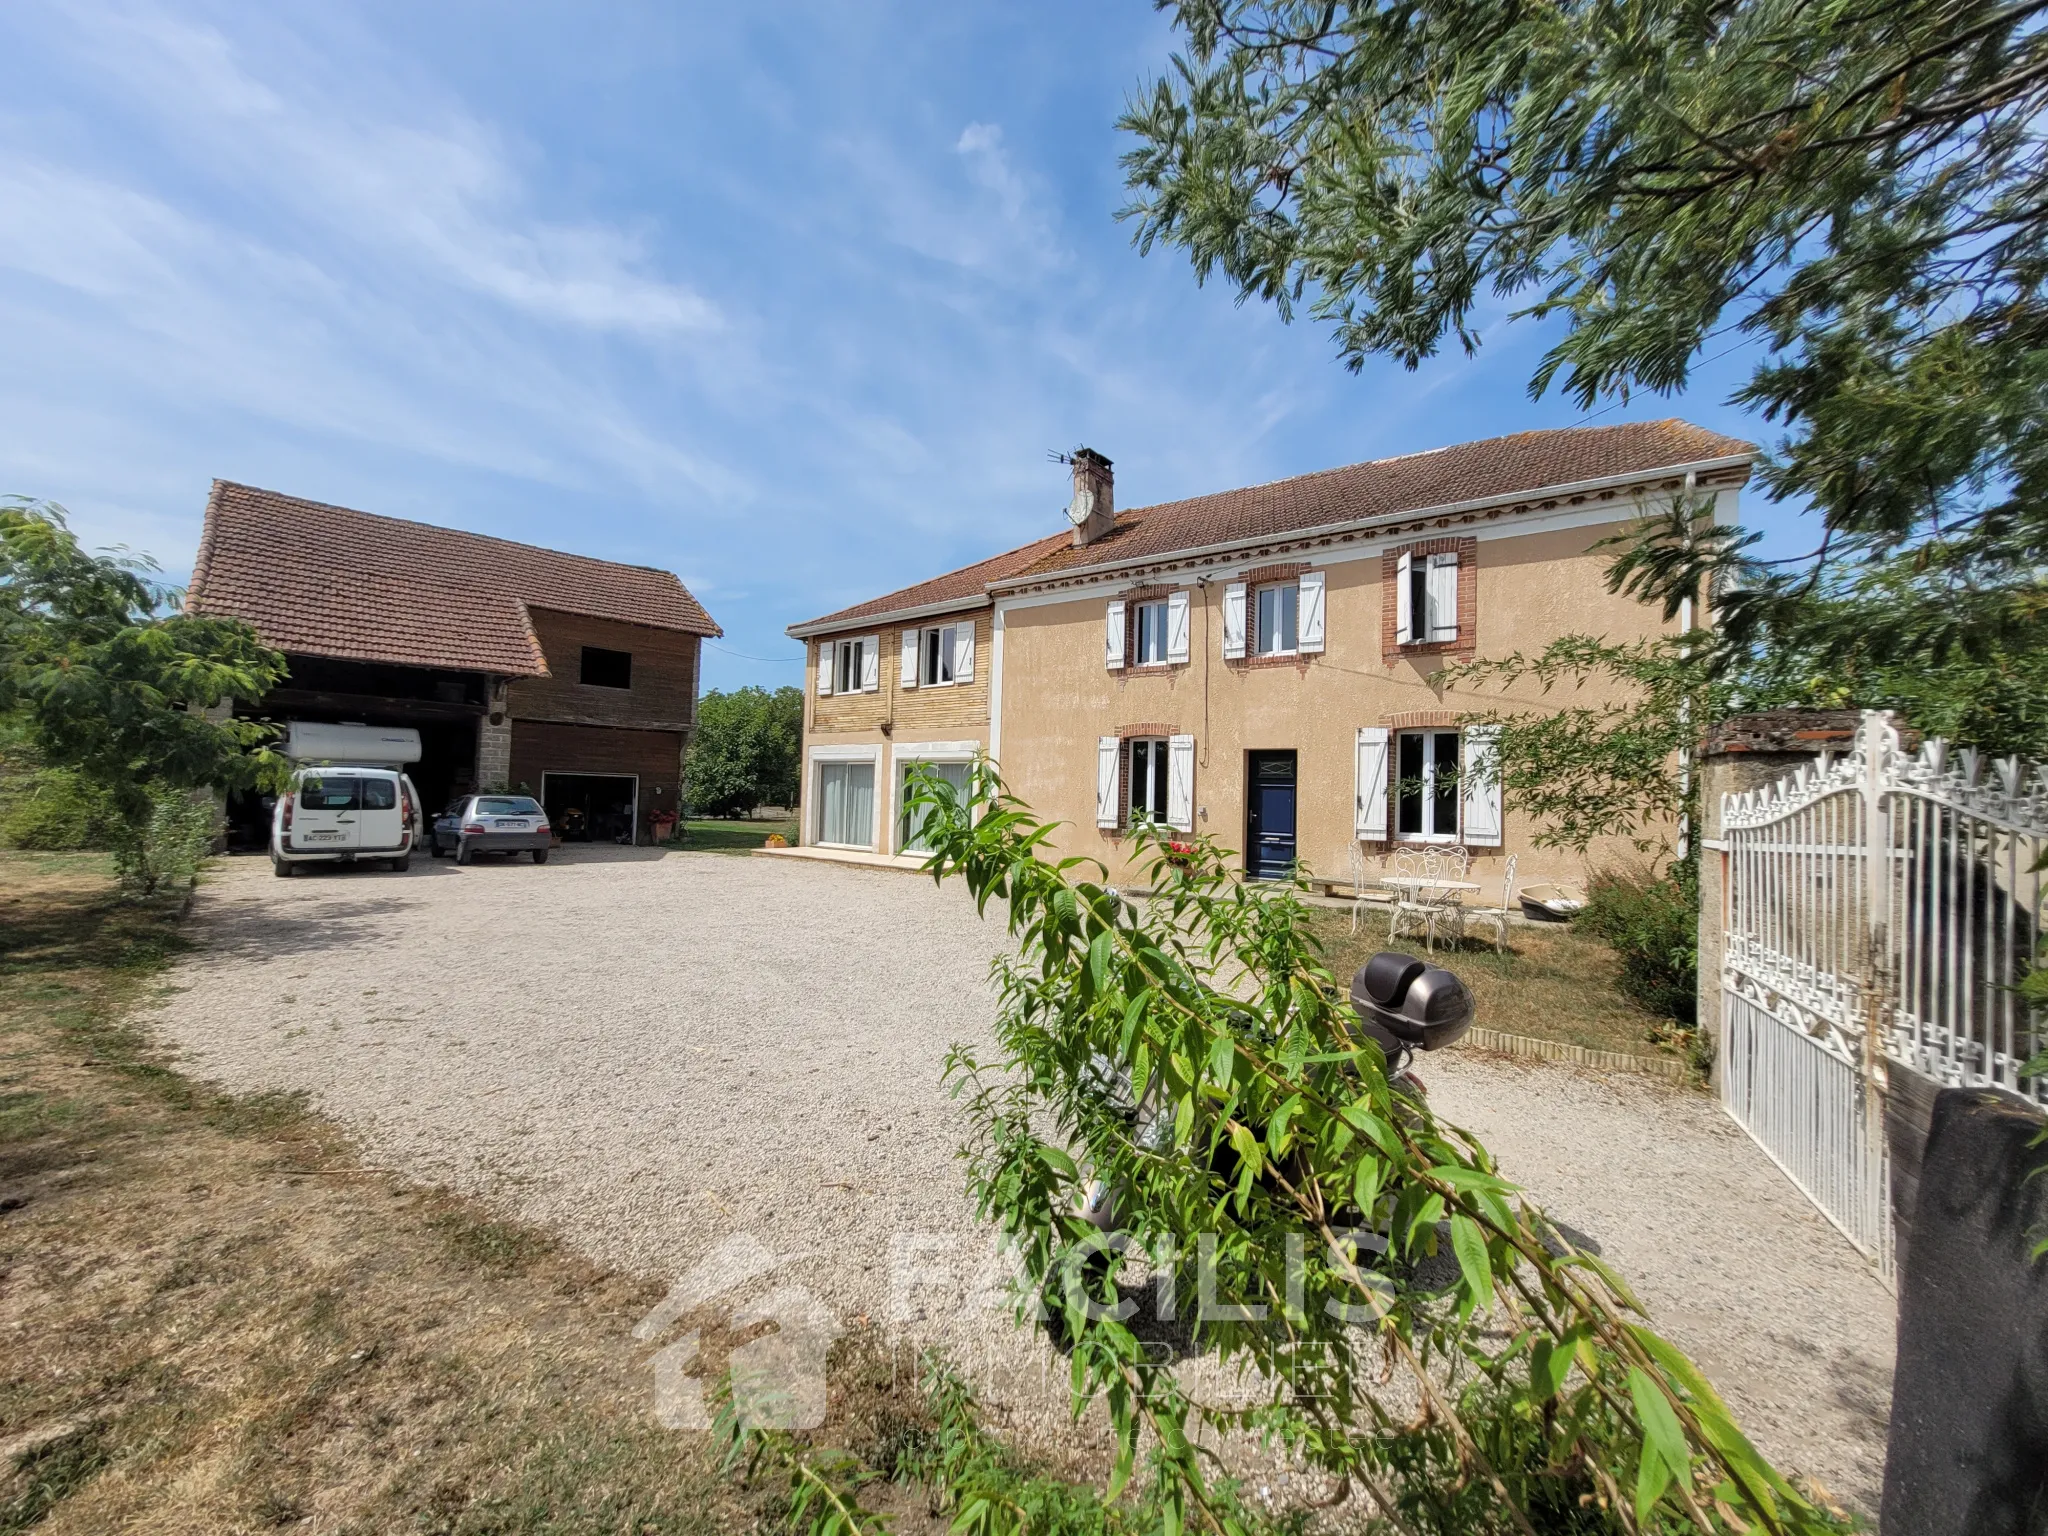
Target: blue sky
791,300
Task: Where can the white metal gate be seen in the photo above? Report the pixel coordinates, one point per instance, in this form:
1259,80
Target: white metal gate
1880,906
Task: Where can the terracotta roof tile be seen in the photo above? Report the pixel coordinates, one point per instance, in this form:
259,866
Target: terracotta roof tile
1492,467
1477,471
968,581
330,581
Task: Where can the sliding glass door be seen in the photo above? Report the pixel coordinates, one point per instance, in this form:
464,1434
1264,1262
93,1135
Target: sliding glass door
846,804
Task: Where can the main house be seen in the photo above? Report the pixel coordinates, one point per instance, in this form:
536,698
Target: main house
571,678
1261,665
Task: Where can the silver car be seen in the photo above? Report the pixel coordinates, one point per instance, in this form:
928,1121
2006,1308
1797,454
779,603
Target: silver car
496,824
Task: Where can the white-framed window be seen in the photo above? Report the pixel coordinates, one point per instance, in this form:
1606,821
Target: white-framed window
936,670
1426,599
911,819
1426,786
1150,777
1277,631
846,803
1151,630
847,666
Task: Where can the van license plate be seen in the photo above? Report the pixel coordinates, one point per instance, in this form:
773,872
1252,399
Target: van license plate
318,837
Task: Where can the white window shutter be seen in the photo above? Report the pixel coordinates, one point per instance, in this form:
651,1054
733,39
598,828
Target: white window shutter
912,638
1233,621
1443,597
828,657
1113,635
1180,783
1177,625
1108,749
1479,785
963,652
871,664
1371,821
1309,626
1404,602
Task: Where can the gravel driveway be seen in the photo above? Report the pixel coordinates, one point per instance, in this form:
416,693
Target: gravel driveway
651,1053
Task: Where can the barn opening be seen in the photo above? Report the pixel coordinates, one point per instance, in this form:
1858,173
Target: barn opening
591,807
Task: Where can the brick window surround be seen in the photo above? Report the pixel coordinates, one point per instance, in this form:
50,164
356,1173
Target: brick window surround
1131,598
1126,734
1268,576
1466,646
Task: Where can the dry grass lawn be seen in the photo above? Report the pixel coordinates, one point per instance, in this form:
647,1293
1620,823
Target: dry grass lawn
1554,983
216,1320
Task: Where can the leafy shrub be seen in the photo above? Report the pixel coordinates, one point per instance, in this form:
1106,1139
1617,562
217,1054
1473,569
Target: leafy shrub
1653,924
162,854
51,809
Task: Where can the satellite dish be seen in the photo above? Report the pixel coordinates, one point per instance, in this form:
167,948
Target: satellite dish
1082,506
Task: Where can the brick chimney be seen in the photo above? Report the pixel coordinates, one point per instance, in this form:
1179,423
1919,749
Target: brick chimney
1094,488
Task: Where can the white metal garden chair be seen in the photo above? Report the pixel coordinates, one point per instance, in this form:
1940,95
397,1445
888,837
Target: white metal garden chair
1498,916
1413,908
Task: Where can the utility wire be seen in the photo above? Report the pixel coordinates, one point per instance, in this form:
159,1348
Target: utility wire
743,656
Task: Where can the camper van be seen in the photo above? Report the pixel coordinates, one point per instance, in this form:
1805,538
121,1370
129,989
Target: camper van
350,800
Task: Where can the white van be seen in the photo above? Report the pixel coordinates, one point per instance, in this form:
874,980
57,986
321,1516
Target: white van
357,804
343,815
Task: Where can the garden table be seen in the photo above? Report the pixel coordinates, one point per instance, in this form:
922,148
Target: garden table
1430,899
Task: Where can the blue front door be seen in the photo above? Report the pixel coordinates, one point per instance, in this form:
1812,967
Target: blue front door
1270,843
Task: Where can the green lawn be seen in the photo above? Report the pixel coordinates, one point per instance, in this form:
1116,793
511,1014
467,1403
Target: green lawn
712,836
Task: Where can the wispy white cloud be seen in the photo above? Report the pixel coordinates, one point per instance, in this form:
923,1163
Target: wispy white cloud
428,183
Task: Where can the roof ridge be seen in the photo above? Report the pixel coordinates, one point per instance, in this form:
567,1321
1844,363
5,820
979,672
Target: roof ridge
1419,453
467,533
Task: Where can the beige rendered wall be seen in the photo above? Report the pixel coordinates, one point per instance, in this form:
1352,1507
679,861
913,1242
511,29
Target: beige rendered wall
1058,697
894,719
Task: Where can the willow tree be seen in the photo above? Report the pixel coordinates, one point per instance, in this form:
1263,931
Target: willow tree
1857,188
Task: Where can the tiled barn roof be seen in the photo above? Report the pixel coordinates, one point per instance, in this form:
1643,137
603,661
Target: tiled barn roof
329,581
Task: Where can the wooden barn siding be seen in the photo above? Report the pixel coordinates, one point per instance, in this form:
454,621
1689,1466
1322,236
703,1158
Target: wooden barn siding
664,691
540,746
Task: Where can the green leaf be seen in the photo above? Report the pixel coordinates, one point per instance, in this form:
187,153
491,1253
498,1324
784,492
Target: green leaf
1652,1478
1661,1428
1246,1146
1222,1059
1276,1128
1549,1363
1101,950
1470,1246
1365,1185
1059,1161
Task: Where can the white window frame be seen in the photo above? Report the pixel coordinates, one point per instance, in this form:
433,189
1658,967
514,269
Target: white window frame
1159,772
909,754
1258,623
935,653
1426,586
1150,630
849,665
1397,781
814,815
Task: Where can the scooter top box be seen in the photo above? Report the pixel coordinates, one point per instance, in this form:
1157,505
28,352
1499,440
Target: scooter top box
1407,1004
